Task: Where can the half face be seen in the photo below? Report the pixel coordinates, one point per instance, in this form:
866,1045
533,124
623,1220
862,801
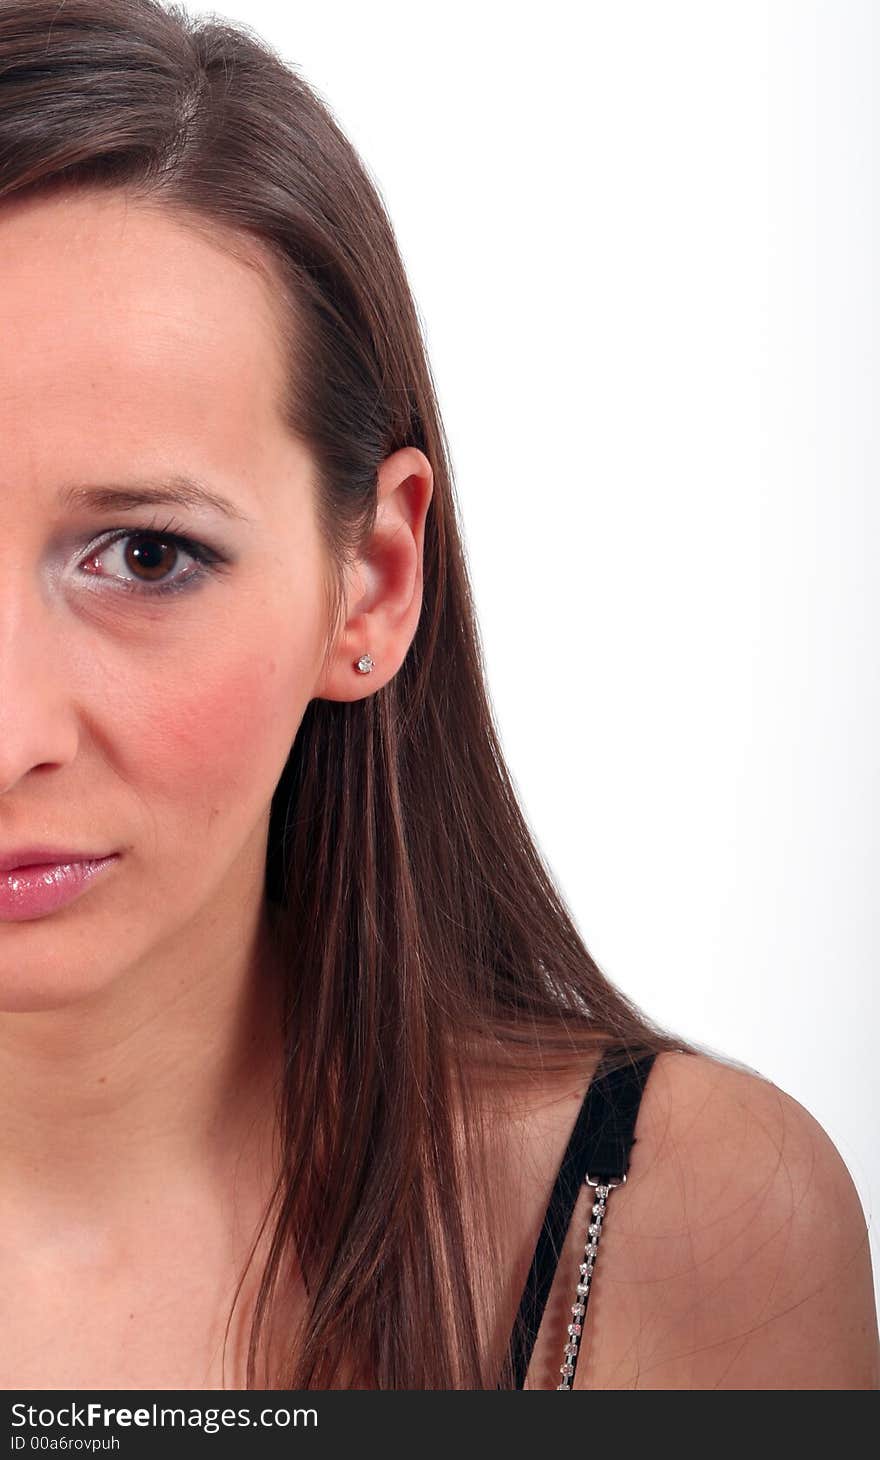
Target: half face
156,657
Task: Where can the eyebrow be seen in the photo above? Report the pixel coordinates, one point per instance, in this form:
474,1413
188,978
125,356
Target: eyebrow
173,491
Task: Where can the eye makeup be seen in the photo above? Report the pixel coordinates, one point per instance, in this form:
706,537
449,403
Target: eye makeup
208,560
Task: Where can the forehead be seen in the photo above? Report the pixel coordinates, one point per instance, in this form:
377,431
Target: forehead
128,337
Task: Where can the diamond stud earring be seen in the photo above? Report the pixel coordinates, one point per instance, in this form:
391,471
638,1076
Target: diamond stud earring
365,664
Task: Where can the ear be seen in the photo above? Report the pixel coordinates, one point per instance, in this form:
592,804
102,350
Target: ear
384,593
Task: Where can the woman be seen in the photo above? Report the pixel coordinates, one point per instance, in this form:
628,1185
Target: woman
296,1031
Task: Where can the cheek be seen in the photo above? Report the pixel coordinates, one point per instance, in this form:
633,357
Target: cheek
217,740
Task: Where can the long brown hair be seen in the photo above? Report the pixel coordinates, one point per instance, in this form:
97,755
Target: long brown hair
431,957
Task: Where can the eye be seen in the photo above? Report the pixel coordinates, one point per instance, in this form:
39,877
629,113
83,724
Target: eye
150,556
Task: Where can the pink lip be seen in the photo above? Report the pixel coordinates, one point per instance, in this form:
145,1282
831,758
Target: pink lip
35,889
42,855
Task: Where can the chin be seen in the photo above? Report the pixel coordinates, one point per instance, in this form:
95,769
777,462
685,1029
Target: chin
31,982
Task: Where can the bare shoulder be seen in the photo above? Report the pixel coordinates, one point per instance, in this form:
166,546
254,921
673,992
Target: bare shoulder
736,1256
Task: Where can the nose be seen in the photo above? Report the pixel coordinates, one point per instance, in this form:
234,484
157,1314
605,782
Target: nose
37,721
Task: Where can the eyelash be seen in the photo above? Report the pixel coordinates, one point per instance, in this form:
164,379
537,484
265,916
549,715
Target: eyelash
208,559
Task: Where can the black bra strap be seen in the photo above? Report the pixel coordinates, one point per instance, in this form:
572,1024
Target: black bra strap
600,1146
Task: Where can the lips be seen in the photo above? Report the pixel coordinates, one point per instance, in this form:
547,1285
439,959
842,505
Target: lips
35,890
45,856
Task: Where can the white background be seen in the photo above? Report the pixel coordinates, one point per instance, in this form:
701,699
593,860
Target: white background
641,238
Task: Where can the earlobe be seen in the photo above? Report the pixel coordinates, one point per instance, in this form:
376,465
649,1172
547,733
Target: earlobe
337,680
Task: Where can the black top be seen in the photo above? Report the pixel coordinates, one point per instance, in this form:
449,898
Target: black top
600,1147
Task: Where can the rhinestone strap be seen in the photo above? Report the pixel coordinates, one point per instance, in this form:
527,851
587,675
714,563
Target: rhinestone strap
579,1307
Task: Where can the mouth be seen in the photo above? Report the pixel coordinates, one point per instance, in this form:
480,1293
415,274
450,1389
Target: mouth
35,889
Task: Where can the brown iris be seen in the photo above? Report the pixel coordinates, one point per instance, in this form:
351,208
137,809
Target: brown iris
153,554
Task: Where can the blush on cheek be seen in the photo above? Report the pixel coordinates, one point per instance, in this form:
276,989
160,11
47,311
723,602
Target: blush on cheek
221,735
